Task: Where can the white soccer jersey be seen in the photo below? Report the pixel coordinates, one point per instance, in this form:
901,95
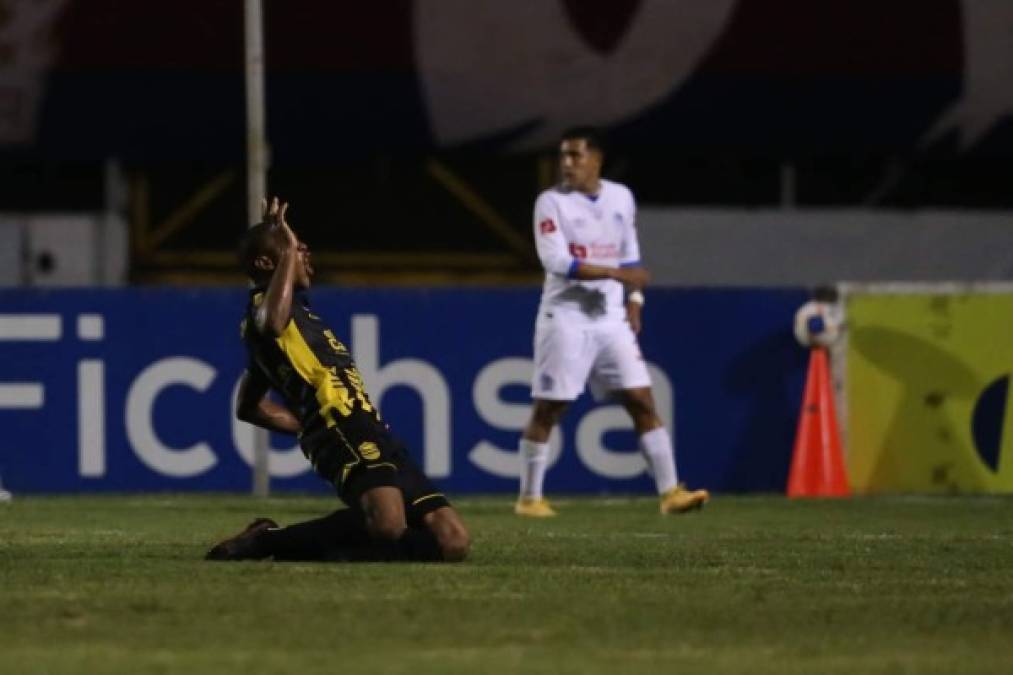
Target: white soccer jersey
571,227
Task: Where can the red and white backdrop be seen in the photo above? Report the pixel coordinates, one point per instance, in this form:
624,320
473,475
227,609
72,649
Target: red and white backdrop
86,78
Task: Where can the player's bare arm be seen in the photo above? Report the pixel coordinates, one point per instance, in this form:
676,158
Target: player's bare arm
631,277
275,311
634,315
634,306
254,406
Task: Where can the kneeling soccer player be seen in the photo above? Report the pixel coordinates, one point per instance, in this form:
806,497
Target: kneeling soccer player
394,512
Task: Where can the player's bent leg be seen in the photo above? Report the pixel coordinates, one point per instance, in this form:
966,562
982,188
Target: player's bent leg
450,533
319,539
545,414
247,545
383,508
386,522
639,403
534,452
656,445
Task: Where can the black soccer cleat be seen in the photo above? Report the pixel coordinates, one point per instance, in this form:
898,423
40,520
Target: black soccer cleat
247,545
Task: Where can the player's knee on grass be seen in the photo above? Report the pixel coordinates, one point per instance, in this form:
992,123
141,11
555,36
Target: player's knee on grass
383,508
455,544
385,530
451,534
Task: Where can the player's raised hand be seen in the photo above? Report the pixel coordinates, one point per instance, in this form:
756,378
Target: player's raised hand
269,210
274,213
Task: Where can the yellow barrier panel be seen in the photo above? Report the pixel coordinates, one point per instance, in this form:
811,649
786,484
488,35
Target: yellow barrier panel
927,393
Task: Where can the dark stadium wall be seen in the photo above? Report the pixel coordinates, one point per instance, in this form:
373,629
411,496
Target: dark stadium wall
375,110
165,81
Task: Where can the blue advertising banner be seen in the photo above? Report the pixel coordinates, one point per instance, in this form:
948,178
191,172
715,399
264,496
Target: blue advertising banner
133,389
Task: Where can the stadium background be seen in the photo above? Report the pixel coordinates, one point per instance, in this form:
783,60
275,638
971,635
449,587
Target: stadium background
412,150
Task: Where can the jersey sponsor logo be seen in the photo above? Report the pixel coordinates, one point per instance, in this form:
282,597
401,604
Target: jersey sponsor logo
578,251
547,226
334,343
369,451
604,250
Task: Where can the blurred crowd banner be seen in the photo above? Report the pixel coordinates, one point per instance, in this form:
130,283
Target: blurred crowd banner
927,380
133,389
93,78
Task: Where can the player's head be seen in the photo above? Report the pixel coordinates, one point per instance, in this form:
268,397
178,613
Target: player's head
581,154
260,249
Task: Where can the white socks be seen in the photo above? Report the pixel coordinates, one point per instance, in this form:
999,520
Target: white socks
656,445
535,461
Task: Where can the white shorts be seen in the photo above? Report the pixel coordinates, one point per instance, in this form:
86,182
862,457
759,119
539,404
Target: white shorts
570,353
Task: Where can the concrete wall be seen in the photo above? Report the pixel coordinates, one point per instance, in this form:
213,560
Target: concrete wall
56,249
803,247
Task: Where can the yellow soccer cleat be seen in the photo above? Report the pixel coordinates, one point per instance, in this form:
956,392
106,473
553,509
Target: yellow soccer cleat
681,500
533,507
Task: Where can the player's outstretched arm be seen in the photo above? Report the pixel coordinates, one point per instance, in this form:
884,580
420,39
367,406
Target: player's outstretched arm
275,311
255,407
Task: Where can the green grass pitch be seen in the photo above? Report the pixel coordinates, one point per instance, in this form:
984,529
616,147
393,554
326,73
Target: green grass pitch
750,584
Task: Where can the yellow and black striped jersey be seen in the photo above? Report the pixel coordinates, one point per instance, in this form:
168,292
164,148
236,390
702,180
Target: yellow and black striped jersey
314,373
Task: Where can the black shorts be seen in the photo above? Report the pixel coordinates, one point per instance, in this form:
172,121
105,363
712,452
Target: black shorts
383,462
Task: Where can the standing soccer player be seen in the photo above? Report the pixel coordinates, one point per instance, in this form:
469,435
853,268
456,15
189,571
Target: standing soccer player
394,512
589,318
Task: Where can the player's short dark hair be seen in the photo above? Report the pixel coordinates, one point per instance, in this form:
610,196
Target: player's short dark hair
825,293
257,241
592,136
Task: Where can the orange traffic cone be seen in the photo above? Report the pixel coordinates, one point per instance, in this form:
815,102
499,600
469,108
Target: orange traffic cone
817,464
